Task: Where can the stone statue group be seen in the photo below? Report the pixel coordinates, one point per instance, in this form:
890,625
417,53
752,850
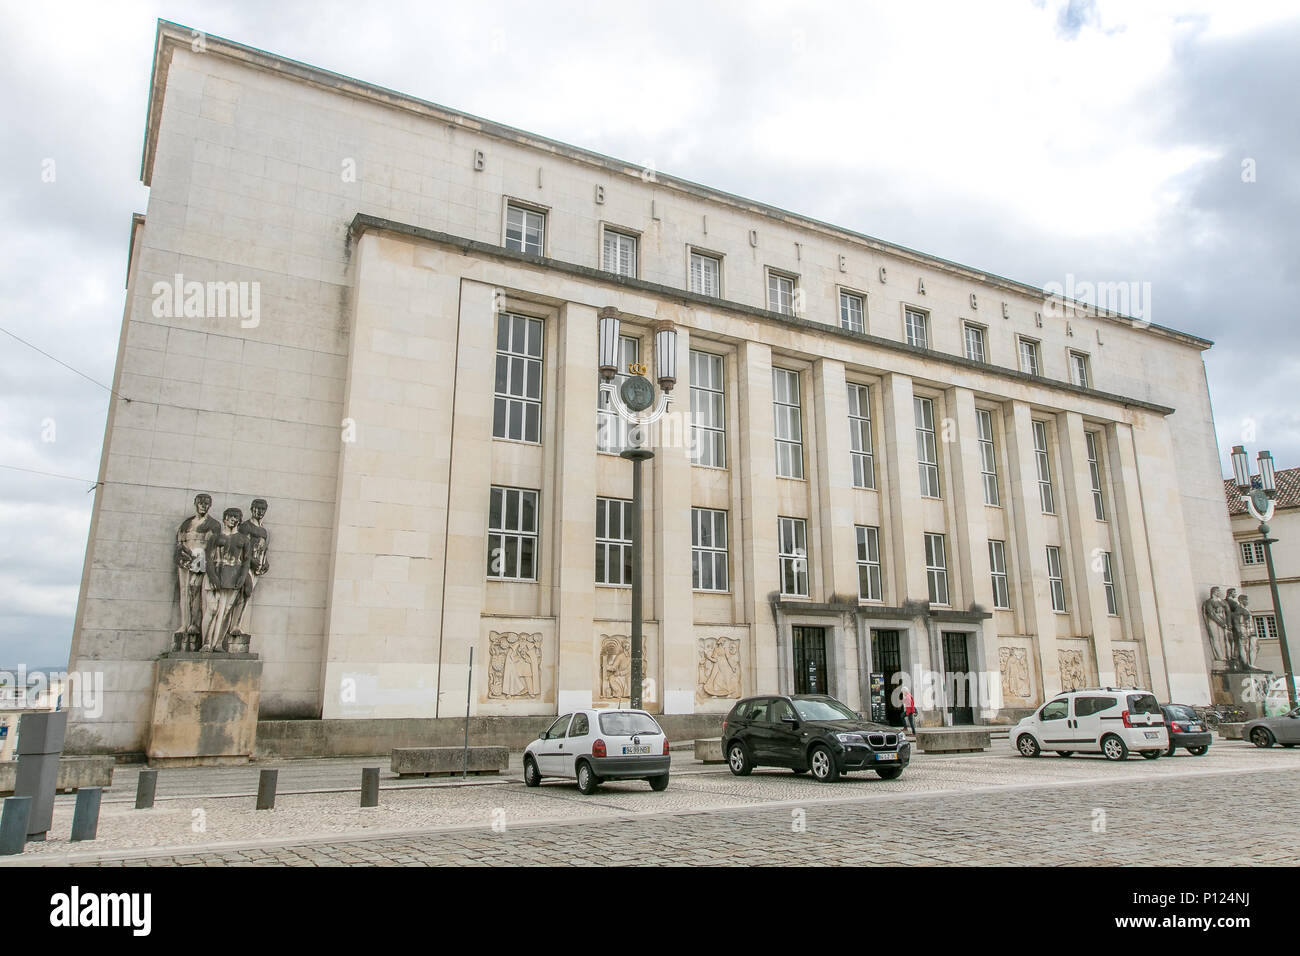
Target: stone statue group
1234,643
219,565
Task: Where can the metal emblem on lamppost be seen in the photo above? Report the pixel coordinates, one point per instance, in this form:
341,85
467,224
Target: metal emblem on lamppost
637,392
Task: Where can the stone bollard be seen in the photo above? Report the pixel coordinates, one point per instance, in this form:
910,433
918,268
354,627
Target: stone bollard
145,788
370,786
85,815
13,824
266,783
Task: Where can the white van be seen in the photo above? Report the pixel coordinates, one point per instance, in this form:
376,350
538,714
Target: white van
1108,720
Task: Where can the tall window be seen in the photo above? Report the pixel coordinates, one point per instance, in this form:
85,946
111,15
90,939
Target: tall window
612,428
852,312
868,563
1044,469
788,423
706,274
927,452
1266,627
1029,357
780,293
988,457
936,568
1108,582
613,541
512,534
864,472
1094,473
1079,368
517,411
1252,552
1054,578
708,411
998,570
619,253
708,549
914,327
792,539
974,343
525,229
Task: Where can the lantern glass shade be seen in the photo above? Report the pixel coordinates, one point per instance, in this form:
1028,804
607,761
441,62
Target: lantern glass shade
609,326
1267,475
1240,468
666,358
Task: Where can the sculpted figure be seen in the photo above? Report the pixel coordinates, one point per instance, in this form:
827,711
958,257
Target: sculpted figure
1238,626
722,668
521,674
227,571
615,670
1215,612
190,556
259,542
1248,645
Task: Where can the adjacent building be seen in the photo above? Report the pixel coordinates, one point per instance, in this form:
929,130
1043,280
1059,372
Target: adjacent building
380,315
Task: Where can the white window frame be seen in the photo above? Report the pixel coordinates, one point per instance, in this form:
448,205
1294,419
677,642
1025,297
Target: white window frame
862,456
612,429
1094,475
913,320
701,288
792,550
988,458
617,551
927,449
1080,370
525,210
519,533
854,323
1030,355
868,545
1255,550
777,298
1055,579
998,573
520,361
627,250
787,423
1108,583
1265,626
709,550
979,330
1046,499
708,379
936,569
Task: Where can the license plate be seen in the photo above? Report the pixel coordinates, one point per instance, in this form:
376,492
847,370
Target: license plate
639,749
1153,735
886,756
1196,728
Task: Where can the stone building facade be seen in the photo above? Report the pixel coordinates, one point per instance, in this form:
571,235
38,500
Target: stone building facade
874,460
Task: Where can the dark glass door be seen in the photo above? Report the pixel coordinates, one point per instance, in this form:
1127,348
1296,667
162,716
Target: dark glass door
810,660
957,677
887,659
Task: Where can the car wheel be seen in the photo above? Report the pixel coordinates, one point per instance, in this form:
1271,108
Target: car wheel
1114,748
1170,751
1152,754
587,782
532,776
1260,737
1198,751
1065,753
889,773
822,763
1028,746
738,760
659,784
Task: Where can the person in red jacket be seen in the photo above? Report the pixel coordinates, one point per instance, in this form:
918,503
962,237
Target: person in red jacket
909,709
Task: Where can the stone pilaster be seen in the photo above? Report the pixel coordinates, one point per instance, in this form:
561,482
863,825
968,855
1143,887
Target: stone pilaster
758,507
1086,543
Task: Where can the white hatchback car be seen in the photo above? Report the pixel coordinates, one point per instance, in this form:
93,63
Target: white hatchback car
593,746
1109,720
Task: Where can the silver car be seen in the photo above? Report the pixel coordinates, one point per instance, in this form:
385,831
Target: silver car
1267,731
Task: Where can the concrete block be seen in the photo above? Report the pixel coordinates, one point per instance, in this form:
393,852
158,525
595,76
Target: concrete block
205,709
445,761
709,750
948,741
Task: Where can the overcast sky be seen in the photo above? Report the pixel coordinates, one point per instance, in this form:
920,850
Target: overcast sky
1032,139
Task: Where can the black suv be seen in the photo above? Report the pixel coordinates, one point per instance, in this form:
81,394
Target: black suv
810,732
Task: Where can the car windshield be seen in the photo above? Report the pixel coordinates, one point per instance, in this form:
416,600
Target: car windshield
1177,712
823,708
1143,704
627,725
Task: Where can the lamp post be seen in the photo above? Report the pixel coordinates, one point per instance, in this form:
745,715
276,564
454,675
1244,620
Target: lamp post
630,400
1260,502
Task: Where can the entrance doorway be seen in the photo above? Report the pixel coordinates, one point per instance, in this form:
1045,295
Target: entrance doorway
957,677
810,660
887,659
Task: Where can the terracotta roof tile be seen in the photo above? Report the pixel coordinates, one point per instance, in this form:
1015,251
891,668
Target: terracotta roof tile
1288,491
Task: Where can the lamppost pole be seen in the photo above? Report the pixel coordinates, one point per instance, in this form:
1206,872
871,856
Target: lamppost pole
637,455
1277,617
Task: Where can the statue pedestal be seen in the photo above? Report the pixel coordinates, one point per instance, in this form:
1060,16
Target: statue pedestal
204,709
1244,689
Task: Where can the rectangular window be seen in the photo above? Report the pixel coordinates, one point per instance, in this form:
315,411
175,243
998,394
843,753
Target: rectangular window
852,312
1094,473
974,343
792,538
512,534
708,411
1079,368
1044,469
914,327
517,412
706,274
1054,577
1029,357
780,293
998,569
868,563
618,253
612,428
927,452
525,229
1108,582
988,458
1252,552
864,470
613,541
788,421
936,568
1266,627
708,549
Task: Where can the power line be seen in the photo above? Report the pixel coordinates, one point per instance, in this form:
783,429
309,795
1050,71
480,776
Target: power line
50,474
67,366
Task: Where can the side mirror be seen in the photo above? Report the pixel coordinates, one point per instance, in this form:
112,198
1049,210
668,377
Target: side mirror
787,719
544,735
